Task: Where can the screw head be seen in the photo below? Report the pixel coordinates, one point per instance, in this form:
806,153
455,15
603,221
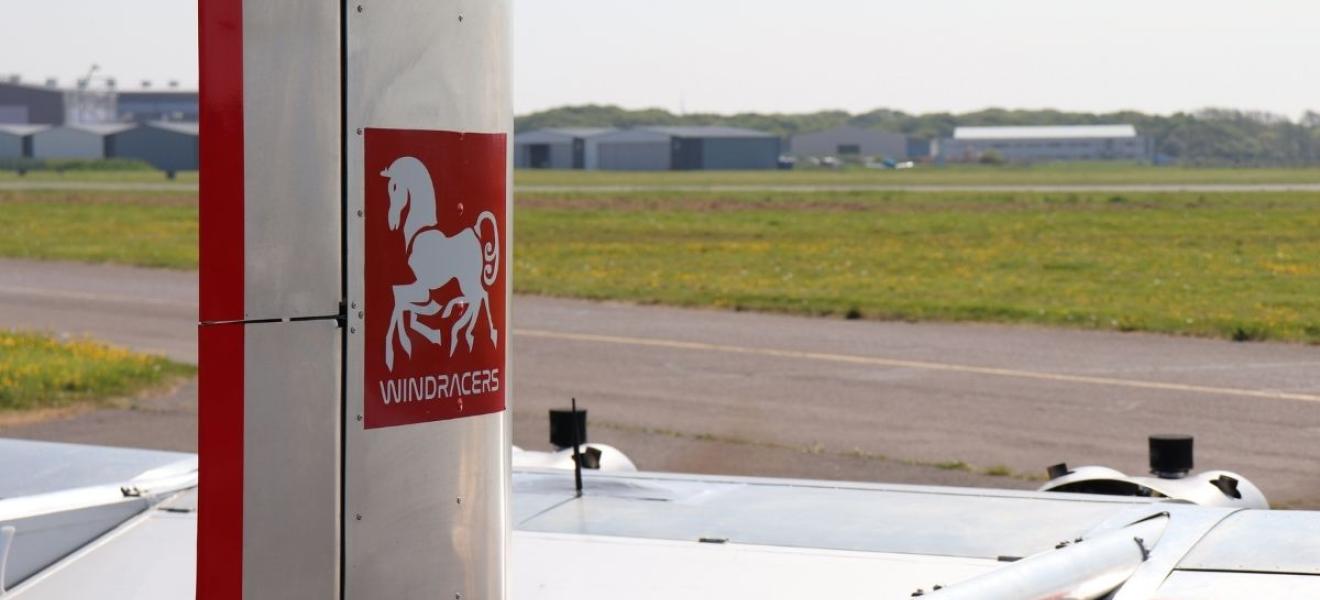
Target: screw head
359,213
359,418
352,329
357,517
359,131
360,313
359,8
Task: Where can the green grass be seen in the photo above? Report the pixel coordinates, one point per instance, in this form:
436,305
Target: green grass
1238,266
94,175
1048,174
38,371
147,229
1043,174
1243,266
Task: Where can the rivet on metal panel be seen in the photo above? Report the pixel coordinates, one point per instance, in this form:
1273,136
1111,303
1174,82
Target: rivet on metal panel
359,418
458,500
352,305
460,18
352,329
357,517
360,314
359,214
359,8
458,596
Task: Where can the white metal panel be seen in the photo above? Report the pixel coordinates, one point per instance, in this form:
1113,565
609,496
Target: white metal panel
1260,541
292,141
41,539
576,567
151,557
51,467
428,65
809,514
291,433
1188,524
1194,585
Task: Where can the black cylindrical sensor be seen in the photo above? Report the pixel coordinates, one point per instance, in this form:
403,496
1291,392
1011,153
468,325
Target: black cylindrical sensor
561,427
1170,455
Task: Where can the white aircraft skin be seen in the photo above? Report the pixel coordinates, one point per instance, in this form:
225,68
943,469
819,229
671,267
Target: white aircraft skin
117,523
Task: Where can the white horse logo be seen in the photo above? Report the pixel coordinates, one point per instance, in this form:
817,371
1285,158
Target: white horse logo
435,260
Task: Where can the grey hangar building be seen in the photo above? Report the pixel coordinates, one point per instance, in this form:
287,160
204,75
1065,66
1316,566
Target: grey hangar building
16,140
564,148
39,123
30,104
649,149
849,142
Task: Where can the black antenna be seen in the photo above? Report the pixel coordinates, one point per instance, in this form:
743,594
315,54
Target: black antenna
577,455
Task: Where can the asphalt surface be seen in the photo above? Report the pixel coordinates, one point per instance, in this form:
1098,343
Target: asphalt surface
146,309
740,393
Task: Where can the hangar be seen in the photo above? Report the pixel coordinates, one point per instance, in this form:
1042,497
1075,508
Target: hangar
77,141
170,147
22,103
1047,143
686,149
16,140
566,148
849,142
26,103
148,105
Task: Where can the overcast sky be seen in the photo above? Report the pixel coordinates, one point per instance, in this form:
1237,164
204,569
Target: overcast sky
782,56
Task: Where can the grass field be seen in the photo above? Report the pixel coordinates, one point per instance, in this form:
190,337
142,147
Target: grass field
37,371
137,176
1060,174
1241,266
148,229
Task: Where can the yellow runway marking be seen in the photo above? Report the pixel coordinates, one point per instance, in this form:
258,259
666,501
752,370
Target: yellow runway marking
915,364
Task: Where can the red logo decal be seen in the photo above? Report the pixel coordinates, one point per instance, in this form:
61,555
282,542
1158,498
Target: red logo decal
436,276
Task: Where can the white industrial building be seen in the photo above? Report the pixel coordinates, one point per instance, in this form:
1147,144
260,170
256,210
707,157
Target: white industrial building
1046,143
77,141
564,148
848,142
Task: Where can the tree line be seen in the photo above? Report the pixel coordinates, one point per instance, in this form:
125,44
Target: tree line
1205,137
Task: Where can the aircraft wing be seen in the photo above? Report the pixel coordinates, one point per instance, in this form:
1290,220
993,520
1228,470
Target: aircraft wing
115,523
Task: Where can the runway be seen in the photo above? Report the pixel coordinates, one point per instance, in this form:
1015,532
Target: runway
741,393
